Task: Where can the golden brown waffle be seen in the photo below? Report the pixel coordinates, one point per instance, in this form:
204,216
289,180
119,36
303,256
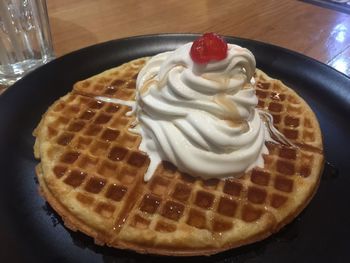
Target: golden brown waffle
91,172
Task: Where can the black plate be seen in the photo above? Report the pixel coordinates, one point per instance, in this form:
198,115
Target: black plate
30,231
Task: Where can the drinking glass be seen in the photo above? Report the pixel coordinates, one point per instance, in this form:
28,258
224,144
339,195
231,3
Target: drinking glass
25,38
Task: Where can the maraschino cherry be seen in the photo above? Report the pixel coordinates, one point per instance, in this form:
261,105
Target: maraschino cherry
207,48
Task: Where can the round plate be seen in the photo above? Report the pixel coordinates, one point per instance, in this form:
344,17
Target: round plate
30,231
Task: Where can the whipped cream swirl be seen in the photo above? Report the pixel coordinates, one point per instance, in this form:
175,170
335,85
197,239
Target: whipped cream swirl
200,117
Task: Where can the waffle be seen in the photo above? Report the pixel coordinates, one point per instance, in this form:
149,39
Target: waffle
91,172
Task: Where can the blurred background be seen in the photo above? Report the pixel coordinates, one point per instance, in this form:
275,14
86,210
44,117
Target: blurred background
319,32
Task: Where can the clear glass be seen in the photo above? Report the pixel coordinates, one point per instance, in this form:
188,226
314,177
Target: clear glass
25,38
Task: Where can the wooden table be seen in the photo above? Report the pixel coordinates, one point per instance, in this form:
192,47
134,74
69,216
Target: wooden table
314,31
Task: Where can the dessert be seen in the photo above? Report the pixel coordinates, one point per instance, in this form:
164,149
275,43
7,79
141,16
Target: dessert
96,173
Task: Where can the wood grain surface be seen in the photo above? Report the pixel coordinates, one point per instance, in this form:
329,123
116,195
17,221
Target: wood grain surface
317,32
